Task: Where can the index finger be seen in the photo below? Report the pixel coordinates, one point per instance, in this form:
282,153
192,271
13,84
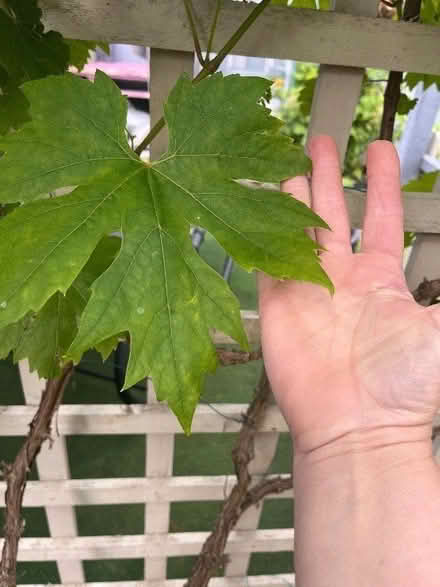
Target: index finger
328,195
383,222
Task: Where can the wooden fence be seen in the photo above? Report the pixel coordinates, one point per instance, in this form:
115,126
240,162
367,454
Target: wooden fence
345,42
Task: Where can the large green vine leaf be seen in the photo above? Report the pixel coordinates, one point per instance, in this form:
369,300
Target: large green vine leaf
157,289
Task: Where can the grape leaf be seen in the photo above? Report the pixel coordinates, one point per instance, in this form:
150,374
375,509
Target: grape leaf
44,337
80,51
305,97
430,12
424,183
26,53
405,104
157,289
311,4
408,238
428,79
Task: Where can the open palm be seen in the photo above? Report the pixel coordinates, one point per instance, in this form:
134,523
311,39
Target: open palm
367,358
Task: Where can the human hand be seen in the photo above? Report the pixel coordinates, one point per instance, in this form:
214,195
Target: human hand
363,365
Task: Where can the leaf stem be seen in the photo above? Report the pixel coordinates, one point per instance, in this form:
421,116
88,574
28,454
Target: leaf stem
218,8
192,24
210,66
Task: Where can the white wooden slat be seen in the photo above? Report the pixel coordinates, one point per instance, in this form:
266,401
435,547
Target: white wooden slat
72,492
337,90
129,547
159,465
421,210
99,419
253,581
280,32
165,68
417,134
53,464
334,103
135,419
424,258
423,263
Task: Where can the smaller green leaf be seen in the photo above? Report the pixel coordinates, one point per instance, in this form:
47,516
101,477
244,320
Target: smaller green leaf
48,334
424,183
80,51
412,79
305,97
44,337
408,239
405,104
430,12
310,4
9,338
105,347
26,52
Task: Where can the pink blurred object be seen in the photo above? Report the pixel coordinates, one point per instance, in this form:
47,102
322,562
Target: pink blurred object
129,71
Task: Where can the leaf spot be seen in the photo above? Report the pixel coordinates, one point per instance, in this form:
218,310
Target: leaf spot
140,310
3,305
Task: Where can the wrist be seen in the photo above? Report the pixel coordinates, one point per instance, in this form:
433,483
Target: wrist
368,504
367,444
359,453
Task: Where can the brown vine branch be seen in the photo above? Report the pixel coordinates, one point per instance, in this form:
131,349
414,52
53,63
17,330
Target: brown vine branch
241,497
268,487
411,13
237,357
15,474
210,67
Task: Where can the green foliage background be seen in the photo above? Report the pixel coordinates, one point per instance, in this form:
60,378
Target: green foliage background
295,105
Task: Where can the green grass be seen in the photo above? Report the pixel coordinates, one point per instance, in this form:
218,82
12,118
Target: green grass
124,456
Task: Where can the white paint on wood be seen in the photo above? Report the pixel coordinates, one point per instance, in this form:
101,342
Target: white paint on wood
280,32
417,135
338,88
334,103
421,210
423,263
253,581
72,492
135,419
53,464
128,547
101,419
